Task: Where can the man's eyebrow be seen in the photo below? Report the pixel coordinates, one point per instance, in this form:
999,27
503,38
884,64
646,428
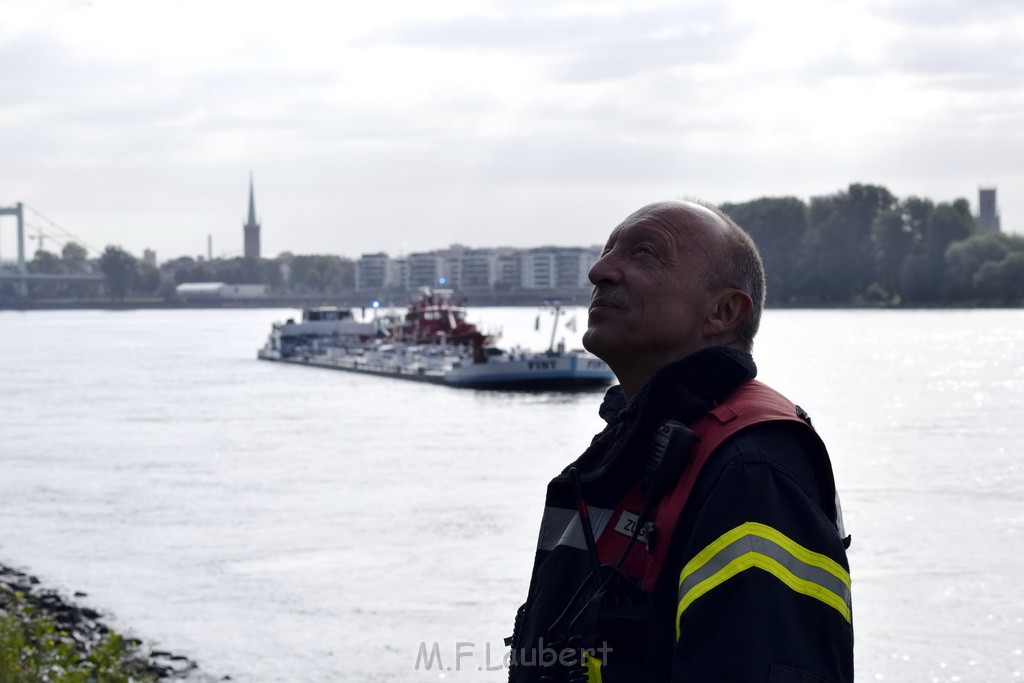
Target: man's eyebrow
655,233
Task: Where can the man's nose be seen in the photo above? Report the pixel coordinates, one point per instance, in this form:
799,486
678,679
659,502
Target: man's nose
605,270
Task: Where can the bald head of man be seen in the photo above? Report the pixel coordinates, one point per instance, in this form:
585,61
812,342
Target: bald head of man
675,277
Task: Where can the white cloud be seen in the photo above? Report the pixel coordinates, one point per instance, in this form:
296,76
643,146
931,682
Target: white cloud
370,125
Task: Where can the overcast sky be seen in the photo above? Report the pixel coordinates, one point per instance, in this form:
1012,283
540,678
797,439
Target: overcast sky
402,126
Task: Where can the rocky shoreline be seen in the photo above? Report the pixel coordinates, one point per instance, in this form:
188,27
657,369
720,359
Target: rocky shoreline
85,629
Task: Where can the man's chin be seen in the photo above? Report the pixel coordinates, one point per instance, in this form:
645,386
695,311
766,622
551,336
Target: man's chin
587,339
595,342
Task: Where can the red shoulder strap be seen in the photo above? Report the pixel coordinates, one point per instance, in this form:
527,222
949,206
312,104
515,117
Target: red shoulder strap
750,403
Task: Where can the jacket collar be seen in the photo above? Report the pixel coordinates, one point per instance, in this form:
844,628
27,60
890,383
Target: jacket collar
685,389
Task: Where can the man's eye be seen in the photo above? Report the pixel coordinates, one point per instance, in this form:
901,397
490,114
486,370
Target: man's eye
644,249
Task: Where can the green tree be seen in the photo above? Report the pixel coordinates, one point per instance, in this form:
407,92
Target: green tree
838,256
273,273
915,278
75,258
314,281
947,224
1011,274
898,236
923,273
179,269
964,259
331,273
119,269
186,269
250,272
319,274
917,211
893,240
778,226
147,279
347,279
45,263
988,282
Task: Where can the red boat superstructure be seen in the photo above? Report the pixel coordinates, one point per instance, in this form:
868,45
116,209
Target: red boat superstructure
434,318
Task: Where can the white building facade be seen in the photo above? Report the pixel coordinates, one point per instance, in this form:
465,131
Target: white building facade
500,269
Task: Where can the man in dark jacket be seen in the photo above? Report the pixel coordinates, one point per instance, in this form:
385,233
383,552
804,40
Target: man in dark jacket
699,537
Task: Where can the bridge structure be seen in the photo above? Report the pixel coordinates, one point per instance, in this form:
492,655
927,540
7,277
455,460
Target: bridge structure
22,278
18,212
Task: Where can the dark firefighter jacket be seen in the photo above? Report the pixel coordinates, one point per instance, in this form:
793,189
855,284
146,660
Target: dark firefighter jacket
755,585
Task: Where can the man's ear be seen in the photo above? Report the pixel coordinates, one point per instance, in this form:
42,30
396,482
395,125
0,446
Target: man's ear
731,307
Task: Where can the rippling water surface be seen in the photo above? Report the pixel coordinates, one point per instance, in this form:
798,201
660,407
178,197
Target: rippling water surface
281,523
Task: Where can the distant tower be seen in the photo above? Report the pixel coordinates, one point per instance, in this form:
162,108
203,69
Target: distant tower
988,217
251,227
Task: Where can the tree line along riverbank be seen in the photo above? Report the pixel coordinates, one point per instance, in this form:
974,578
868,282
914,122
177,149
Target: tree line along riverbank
861,245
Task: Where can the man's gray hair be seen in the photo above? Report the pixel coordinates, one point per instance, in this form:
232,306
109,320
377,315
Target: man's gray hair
737,263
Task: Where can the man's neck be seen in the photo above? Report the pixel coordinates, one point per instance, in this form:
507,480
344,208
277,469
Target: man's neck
633,380
717,368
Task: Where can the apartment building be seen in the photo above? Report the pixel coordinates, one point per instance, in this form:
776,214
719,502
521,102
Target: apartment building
462,268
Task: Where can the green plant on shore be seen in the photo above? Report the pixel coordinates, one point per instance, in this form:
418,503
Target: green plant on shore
34,650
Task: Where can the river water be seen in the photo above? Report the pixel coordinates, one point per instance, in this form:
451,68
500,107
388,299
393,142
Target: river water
281,523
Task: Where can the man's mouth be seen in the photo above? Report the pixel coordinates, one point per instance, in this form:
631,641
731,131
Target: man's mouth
605,302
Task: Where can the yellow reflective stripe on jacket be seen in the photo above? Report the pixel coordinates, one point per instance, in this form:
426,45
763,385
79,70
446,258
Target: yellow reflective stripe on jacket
593,665
757,545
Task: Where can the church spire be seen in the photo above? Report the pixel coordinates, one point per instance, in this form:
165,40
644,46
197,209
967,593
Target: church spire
251,229
252,203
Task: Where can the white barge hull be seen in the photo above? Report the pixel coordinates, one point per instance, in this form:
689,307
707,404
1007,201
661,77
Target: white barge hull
564,371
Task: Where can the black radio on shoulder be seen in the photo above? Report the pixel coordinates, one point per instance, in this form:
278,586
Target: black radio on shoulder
666,456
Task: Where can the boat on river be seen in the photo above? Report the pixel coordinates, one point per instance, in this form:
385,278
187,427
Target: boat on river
433,342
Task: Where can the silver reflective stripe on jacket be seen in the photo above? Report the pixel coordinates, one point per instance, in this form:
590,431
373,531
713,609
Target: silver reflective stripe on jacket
561,526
